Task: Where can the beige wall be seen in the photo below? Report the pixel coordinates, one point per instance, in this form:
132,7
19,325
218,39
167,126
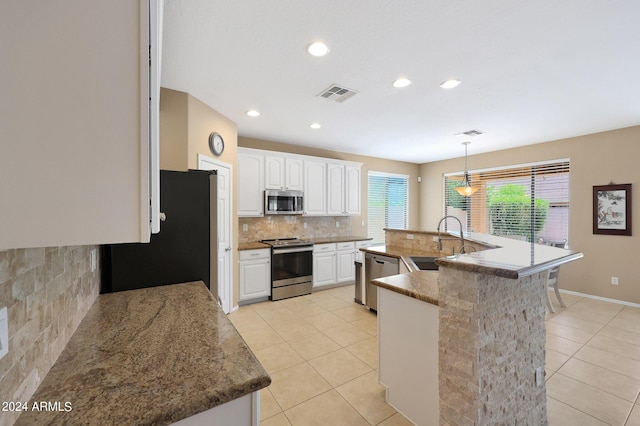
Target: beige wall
185,126
596,159
368,164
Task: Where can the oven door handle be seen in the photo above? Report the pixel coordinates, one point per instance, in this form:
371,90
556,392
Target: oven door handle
292,250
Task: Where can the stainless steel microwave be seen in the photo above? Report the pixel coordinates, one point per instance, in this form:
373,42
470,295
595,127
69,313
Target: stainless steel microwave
283,202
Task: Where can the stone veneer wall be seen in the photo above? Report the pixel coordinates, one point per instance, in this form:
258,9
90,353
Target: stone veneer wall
47,291
492,338
424,242
262,228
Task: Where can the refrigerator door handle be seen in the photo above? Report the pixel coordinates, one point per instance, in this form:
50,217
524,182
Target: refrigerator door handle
163,217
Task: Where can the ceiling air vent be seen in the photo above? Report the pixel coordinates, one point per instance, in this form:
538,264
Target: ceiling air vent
337,93
473,132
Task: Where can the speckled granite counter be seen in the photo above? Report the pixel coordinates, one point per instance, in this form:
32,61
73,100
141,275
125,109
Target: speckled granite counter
421,285
252,245
150,356
509,259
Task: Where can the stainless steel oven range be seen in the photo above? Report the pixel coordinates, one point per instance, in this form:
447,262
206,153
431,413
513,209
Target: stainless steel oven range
291,267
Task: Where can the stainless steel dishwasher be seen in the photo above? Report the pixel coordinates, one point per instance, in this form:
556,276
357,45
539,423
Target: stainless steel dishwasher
377,266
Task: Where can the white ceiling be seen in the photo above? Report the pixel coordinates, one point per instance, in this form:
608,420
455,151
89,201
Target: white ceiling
531,71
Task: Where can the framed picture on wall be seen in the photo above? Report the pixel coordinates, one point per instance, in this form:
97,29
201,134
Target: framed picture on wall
612,209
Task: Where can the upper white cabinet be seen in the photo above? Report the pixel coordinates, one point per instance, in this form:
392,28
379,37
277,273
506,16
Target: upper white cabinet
251,183
343,182
283,172
78,122
315,187
331,187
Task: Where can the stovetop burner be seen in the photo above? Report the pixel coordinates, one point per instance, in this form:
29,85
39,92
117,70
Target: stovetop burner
287,242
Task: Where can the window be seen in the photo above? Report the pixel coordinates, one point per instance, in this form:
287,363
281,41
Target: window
387,203
528,202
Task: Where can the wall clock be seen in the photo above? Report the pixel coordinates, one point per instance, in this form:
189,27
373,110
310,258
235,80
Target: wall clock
216,144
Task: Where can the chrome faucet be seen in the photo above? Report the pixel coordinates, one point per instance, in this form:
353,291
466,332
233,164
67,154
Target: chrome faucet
461,234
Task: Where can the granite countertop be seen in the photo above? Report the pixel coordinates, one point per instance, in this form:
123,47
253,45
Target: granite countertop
509,259
151,356
421,285
252,245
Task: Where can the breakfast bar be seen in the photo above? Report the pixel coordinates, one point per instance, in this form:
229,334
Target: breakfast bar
478,322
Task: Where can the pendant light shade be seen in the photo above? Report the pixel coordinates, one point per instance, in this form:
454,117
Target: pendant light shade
467,190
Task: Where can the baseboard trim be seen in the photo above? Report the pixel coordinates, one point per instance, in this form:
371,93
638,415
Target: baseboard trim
603,299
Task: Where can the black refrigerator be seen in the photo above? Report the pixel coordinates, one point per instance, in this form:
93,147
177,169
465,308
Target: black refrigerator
184,250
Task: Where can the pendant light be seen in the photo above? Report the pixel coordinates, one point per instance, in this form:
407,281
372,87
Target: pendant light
467,190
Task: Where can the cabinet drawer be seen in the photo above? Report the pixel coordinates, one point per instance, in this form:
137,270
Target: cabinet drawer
346,246
255,254
324,248
363,244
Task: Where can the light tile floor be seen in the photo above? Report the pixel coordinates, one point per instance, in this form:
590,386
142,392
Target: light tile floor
321,353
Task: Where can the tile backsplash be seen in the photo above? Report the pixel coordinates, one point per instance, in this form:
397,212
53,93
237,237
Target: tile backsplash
262,228
47,291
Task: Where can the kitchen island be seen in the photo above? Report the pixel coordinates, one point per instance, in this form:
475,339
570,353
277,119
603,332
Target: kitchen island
153,356
490,335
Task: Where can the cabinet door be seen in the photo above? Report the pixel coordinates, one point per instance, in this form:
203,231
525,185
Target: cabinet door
274,172
75,123
294,173
324,269
352,190
315,188
251,184
335,189
346,270
255,279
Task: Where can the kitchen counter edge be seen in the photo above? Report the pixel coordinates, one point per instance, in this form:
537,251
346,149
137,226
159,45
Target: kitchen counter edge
150,356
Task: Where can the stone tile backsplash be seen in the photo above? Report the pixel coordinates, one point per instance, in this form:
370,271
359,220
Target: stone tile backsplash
263,228
47,292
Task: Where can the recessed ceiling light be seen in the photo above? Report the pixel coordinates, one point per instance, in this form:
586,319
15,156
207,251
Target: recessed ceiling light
401,82
318,49
450,84
253,113
315,125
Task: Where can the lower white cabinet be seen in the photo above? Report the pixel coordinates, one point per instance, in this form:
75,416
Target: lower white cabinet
244,411
255,274
324,264
345,258
333,263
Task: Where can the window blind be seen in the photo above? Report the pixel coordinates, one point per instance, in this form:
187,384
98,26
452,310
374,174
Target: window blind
387,202
528,202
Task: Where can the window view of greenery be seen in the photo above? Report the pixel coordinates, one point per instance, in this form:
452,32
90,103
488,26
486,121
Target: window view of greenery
503,205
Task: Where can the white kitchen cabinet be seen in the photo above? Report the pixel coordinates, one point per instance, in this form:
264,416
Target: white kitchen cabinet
283,172
345,262
352,188
315,187
251,183
255,274
360,245
243,411
324,265
79,122
408,355
343,187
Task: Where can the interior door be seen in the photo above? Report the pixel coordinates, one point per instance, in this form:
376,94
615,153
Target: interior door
224,234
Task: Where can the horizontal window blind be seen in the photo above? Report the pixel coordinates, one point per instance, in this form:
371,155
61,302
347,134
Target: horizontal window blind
527,202
387,204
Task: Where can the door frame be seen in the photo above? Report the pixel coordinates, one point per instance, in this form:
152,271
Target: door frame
215,164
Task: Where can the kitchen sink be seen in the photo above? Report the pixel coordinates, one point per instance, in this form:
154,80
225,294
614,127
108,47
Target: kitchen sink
424,263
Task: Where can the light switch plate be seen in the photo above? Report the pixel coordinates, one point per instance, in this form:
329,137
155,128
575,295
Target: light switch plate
4,332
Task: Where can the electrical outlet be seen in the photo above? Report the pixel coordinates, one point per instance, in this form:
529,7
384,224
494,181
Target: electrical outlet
363,223
304,225
337,224
94,259
409,236
4,332
614,281
245,227
539,376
